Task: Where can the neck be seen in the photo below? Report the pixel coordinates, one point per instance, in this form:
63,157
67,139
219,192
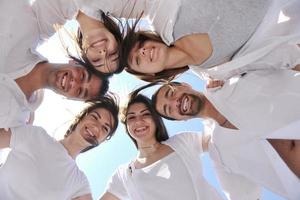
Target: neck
72,146
36,79
176,58
146,150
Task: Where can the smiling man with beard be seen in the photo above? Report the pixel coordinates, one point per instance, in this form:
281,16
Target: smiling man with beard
24,72
253,123
39,167
22,96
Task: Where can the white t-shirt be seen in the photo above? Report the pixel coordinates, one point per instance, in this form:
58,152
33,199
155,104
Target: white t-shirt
254,158
169,174
160,14
38,167
14,107
25,26
187,147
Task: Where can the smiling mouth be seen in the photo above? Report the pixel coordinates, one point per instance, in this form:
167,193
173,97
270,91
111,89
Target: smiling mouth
184,104
140,130
90,137
151,54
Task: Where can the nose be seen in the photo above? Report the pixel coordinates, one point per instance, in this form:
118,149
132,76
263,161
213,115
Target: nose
174,103
143,51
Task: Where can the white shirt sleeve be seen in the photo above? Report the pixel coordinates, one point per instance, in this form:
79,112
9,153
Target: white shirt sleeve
191,139
116,185
6,103
83,186
118,8
49,13
235,186
24,136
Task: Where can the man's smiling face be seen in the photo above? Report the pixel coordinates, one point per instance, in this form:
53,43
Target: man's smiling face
74,82
178,101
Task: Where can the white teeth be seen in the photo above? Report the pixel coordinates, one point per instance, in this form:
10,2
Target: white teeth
151,54
90,132
185,104
63,82
140,129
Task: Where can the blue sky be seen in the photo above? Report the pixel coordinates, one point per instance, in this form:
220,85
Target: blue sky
100,163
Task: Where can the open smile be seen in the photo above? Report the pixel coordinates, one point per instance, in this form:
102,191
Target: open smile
64,81
141,130
184,104
90,136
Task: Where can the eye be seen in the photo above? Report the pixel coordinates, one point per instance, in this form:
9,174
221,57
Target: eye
131,117
147,114
82,77
79,92
106,129
94,116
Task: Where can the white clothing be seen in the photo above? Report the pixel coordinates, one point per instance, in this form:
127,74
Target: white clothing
188,148
38,167
255,159
25,26
169,169
14,106
272,45
260,101
161,14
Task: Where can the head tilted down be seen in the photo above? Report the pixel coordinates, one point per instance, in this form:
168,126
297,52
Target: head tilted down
146,56
99,42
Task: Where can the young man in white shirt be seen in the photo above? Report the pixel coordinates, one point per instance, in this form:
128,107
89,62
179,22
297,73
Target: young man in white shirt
39,167
24,72
254,107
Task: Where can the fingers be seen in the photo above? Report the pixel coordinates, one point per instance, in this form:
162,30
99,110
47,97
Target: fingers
214,83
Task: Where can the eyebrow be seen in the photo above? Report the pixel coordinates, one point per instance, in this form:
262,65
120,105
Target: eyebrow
131,113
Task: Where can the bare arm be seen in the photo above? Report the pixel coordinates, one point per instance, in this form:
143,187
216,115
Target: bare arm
297,68
4,138
108,196
84,197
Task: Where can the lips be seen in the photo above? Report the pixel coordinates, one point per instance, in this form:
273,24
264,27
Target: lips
141,130
184,104
90,136
64,81
151,54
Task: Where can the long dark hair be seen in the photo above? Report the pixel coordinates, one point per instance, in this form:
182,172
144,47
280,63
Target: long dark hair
161,133
113,25
108,102
134,37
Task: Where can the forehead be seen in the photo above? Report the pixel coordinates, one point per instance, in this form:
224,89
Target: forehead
136,107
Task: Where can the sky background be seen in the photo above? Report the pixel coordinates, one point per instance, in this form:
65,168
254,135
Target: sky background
56,113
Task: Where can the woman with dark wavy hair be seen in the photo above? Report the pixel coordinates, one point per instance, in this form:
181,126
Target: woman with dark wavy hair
165,168
204,34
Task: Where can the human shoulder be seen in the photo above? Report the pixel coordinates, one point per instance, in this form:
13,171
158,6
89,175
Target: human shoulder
184,136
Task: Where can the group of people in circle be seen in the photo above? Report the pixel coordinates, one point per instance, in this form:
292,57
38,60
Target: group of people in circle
250,108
